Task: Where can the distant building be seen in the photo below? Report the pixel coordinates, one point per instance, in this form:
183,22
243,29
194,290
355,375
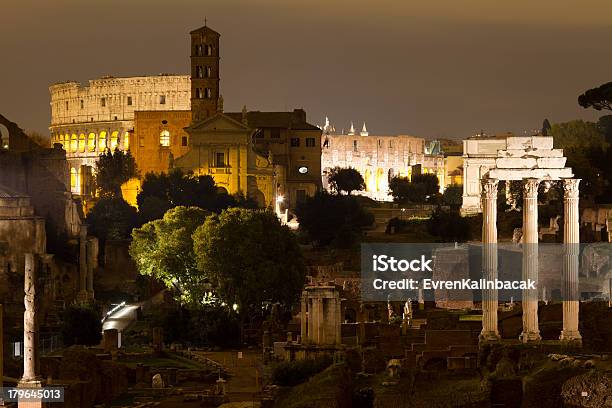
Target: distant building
88,119
271,157
379,158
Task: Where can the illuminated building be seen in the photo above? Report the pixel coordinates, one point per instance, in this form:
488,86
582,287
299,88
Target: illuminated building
88,119
379,158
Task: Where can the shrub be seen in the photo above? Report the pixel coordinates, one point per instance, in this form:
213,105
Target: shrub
296,372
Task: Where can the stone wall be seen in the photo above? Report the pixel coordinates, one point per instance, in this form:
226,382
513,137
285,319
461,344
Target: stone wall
378,159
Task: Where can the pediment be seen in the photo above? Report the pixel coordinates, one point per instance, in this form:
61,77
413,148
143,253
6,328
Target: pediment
216,123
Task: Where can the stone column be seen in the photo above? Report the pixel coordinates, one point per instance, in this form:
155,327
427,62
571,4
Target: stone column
83,264
338,319
92,255
531,331
303,318
489,260
30,333
571,241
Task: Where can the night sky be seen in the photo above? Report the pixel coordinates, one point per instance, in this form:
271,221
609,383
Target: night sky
435,68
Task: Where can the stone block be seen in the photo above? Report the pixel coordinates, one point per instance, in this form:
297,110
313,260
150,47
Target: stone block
530,153
542,142
519,142
551,162
520,174
516,163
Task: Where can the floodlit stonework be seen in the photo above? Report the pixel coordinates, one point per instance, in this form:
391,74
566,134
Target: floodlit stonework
88,119
508,157
379,158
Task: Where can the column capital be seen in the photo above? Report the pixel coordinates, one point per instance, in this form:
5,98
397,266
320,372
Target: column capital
531,187
570,188
489,188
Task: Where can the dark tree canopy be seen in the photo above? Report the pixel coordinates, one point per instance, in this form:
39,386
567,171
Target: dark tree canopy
81,325
417,190
588,154
112,170
112,218
160,192
345,179
598,98
453,195
546,127
250,258
336,219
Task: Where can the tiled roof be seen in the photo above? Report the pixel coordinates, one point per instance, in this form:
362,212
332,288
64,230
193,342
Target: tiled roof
293,120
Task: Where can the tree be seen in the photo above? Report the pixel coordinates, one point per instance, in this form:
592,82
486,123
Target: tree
429,181
113,169
453,196
587,154
422,187
336,219
112,218
160,192
81,325
545,127
163,249
249,258
449,226
346,179
598,98
605,127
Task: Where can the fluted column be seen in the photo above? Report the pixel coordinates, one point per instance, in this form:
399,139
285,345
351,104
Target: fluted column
489,260
531,331
571,241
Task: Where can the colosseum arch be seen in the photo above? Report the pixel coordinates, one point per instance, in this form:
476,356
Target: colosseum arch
102,141
73,142
91,142
114,140
82,142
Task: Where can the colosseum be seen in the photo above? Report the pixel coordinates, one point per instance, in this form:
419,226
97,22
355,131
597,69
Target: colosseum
88,119
379,158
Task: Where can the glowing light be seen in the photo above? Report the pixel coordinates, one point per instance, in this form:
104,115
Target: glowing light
235,307
280,199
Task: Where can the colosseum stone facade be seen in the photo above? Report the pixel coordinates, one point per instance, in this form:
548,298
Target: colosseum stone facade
88,119
378,158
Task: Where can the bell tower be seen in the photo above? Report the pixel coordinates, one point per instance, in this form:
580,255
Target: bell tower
204,73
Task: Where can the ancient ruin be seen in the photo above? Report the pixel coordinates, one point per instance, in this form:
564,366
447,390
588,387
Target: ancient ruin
531,159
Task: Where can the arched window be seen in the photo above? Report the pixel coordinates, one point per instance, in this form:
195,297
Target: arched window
114,140
62,141
164,138
91,142
126,140
82,142
73,143
73,179
102,141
